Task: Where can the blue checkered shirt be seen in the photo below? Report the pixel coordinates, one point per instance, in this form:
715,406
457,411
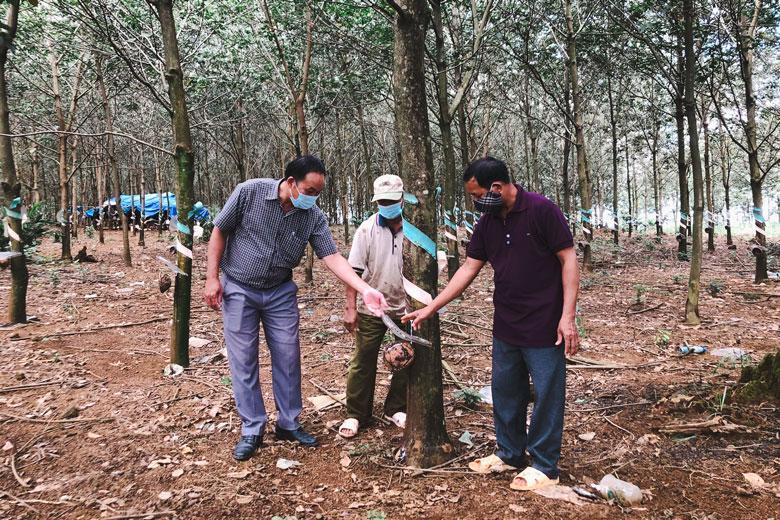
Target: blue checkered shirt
264,243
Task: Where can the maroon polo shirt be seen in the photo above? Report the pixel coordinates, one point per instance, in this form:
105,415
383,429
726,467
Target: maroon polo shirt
528,294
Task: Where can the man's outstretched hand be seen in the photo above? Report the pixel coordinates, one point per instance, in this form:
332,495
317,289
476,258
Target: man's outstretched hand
374,301
418,316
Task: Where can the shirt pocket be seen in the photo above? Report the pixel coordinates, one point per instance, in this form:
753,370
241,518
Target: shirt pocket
537,245
289,250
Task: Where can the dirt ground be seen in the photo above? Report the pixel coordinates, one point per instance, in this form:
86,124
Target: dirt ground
91,428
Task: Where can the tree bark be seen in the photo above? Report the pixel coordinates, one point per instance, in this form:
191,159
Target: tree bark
425,438
583,174
725,172
448,147
692,316
185,175
12,188
710,223
142,197
682,169
114,168
613,127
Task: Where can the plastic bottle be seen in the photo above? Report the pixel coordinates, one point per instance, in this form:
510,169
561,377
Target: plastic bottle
684,350
624,493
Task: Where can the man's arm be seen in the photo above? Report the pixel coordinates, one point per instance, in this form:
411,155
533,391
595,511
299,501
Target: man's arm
339,266
567,328
350,309
212,293
462,279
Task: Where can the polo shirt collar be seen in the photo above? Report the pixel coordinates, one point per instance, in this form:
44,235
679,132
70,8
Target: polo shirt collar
521,201
274,193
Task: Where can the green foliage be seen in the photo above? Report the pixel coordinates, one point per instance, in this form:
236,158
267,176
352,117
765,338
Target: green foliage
376,515
89,231
32,231
663,337
678,279
469,396
639,298
715,287
580,323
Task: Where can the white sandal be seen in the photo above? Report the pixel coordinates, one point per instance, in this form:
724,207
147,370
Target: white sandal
534,479
490,464
349,428
398,418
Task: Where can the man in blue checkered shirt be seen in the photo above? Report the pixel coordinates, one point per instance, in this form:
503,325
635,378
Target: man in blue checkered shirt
259,237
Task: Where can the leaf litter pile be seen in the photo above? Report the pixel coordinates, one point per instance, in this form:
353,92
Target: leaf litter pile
91,427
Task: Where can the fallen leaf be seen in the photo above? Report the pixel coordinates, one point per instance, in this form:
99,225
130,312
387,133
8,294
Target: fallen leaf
244,499
8,446
587,436
177,473
93,436
287,464
198,342
345,461
755,480
466,439
517,509
239,474
165,495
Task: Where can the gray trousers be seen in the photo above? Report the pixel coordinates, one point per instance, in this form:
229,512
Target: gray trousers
243,309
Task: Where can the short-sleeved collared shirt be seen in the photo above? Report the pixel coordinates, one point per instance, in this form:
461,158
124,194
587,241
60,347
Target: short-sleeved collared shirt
528,294
377,256
264,243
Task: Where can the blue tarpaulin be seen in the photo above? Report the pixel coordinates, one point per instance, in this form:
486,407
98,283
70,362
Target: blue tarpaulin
151,205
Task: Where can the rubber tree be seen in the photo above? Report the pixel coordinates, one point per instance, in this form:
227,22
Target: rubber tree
694,280
743,19
447,108
583,174
112,163
185,175
12,188
425,437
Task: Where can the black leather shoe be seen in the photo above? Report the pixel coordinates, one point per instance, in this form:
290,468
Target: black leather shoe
247,446
300,435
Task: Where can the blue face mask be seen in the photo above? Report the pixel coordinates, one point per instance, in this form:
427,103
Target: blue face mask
303,201
391,212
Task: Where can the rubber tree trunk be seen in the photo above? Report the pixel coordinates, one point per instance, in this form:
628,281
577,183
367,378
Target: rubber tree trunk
425,438
185,175
613,128
112,164
36,169
74,188
566,150
343,192
682,170
100,175
583,175
62,160
12,188
745,46
725,172
158,184
694,281
448,147
709,220
142,195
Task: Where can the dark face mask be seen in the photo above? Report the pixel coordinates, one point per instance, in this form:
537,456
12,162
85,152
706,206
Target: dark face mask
490,202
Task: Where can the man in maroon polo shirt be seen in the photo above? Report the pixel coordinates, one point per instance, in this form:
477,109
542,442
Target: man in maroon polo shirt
527,241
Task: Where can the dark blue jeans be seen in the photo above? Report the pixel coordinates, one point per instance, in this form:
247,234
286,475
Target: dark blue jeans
511,388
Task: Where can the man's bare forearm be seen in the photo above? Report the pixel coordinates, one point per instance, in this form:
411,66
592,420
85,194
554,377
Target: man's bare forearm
339,266
570,274
459,282
214,254
351,298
